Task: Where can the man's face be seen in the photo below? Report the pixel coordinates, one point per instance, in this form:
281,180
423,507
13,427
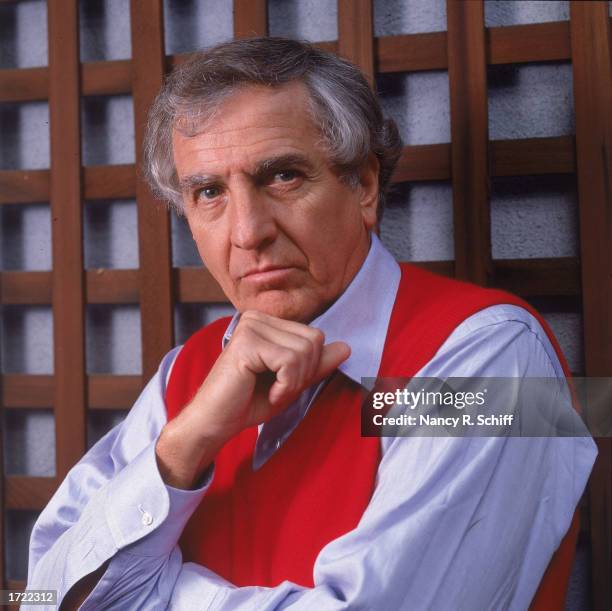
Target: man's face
273,223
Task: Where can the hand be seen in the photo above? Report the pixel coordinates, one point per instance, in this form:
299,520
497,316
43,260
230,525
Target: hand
266,365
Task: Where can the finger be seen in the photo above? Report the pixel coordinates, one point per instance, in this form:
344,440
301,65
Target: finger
288,384
254,352
288,325
261,348
308,350
332,355
260,355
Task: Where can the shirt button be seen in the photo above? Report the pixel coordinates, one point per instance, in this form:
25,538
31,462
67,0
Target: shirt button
278,443
147,518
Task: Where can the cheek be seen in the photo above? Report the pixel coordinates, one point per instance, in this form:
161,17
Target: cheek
210,248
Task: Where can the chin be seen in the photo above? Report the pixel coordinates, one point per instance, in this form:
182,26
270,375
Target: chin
287,307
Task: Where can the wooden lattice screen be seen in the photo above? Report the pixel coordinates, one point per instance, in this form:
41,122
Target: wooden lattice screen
469,161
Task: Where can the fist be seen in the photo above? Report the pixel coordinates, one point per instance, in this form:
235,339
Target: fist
265,367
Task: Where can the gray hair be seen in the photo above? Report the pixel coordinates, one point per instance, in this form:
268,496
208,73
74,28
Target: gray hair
342,105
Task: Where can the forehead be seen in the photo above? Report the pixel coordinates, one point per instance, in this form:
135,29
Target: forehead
248,126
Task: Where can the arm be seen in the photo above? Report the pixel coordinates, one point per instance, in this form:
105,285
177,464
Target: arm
123,490
98,507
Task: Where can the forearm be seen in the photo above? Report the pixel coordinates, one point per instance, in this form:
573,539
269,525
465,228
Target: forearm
79,551
133,510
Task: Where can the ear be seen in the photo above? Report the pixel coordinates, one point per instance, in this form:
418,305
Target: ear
368,183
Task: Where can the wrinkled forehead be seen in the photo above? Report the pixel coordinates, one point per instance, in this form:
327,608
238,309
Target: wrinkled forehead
195,117
250,130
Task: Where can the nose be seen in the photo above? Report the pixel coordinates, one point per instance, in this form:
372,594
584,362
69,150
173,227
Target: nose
253,225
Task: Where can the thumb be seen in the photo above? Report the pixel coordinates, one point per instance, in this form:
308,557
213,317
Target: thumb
331,356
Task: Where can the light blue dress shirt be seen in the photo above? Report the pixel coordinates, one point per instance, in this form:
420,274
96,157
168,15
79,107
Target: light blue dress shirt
454,523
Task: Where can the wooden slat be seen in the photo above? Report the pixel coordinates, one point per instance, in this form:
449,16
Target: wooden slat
593,102
469,139
106,77
537,277
21,288
533,156
113,391
517,44
592,70
110,182
21,186
14,584
196,285
102,286
565,304
423,162
355,34
33,493
156,310
250,18
67,234
551,278
411,52
173,61
331,46
533,42
113,285
27,391
554,277
100,182
97,78
526,157
403,53
21,84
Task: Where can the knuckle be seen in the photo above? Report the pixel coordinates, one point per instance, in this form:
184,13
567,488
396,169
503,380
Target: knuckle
242,333
248,315
292,358
306,347
317,337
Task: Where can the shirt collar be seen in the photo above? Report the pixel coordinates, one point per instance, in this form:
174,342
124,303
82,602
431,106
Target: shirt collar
360,316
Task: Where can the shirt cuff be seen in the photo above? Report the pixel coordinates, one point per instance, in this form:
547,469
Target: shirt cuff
143,512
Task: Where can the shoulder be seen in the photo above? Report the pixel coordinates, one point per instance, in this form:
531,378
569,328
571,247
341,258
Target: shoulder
500,340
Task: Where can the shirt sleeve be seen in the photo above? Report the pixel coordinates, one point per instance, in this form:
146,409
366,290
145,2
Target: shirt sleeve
461,523
113,497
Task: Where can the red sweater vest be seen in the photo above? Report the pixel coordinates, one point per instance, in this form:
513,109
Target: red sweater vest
262,527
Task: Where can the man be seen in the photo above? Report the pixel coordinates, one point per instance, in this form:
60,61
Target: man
280,160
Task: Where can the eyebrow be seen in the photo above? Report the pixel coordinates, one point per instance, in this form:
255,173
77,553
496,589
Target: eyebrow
187,183
274,164
262,170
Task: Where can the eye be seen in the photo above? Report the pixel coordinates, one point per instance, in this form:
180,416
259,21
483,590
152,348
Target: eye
208,193
286,175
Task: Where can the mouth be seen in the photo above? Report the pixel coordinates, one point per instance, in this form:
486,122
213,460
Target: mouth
268,274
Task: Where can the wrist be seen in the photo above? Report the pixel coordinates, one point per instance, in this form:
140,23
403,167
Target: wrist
183,456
